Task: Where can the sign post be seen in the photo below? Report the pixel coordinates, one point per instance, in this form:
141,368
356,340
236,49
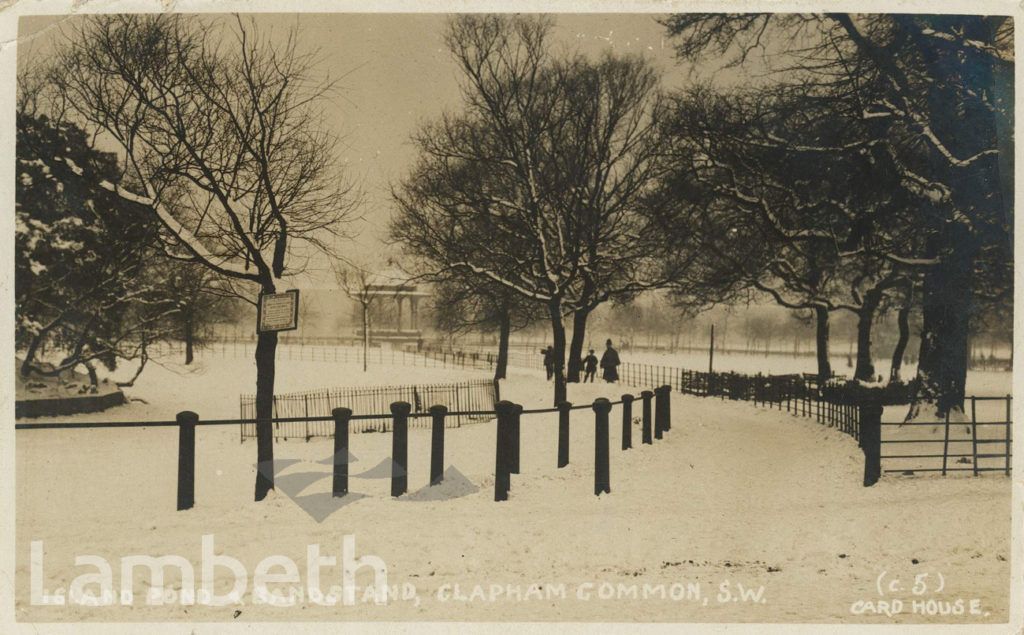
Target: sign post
278,312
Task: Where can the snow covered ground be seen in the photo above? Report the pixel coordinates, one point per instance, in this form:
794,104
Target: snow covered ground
734,495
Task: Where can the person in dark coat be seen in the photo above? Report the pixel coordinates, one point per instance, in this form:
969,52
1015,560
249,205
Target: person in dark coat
610,364
549,362
589,367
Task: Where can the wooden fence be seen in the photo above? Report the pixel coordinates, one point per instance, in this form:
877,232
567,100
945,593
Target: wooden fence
308,411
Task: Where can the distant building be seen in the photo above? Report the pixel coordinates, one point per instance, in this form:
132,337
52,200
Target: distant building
396,310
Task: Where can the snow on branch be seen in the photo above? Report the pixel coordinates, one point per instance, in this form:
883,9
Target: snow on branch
181,233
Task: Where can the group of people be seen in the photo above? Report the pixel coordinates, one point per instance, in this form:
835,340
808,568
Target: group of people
609,364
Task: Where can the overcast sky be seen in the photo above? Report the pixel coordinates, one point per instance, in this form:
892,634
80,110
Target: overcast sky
396,74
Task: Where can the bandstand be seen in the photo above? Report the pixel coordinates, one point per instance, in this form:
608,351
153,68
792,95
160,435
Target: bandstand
396,305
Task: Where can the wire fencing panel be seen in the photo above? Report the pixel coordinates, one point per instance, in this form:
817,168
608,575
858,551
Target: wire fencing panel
474,395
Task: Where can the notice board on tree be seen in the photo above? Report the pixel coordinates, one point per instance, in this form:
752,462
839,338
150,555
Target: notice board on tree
278,311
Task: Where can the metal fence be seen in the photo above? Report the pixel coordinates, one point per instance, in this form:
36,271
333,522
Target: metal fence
635,374
469,396
798,394
982,444
320,350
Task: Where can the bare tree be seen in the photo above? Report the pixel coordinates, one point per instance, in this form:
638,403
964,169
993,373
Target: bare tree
200,299
757,168
359,282
537,185
219,126
933,95
466,302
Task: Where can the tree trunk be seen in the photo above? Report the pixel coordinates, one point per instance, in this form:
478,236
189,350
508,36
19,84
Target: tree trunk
579,333
942,362
558,349
505,328
948,287
865,370
821,341
143,358
903,321
188,341
30,355
93,377
266,349
945,312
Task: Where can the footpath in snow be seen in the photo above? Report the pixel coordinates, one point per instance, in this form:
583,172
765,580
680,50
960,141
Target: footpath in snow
738,514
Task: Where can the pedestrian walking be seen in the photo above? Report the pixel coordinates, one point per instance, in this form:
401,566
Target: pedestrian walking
589,367
610,364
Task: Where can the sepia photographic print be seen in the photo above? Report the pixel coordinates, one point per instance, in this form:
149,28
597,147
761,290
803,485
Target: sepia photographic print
476,317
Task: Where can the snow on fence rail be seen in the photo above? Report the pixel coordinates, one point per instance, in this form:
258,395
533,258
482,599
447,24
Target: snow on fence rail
507,451
307,409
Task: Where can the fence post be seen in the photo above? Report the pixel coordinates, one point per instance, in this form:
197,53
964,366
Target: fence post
945,445
646,395
514,447
458,407
399,447
974,435
341,419
1009,418
437,444
186,459
602,479
502,479
659,411
305,399
563,433
668,408
871,441
627,422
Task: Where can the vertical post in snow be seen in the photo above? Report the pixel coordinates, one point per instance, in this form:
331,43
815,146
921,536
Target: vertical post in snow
514,447
502,479
341,419
667,422
602,478
974,435
437,444
871,441
711,352
563,433
400,447
186,459
945,445
627,422
1009,424
305,399
646,396
659,412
